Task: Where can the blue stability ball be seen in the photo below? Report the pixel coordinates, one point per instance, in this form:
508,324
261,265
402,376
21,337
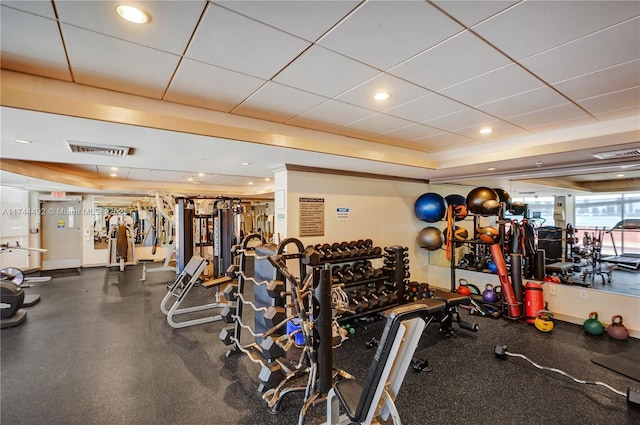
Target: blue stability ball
430,207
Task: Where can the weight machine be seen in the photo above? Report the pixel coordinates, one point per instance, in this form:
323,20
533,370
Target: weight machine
208,227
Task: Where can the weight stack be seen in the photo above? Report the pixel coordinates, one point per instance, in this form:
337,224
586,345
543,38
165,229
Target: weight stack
264,272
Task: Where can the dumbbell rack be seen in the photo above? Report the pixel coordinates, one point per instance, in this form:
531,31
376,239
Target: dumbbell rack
387,280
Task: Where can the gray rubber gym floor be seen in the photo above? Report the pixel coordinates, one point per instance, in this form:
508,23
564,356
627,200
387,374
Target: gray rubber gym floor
98,350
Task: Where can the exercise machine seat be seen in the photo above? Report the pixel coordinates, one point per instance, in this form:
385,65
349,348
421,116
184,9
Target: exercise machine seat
400,337
349,393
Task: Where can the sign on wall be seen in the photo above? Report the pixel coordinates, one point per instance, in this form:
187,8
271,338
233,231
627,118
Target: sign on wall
342,214
311,216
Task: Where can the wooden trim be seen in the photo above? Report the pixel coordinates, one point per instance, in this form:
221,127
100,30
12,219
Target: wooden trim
319,170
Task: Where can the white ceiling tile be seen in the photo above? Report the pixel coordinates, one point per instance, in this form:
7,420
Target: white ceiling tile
378,123
171,26
305,19
531,27
106,62
324,72
497,84
559,125
208,86
461,119
611,102
610,47
473,11
32,44
457,59
501,130
39,7
413,132
557,113
400,91
385,33
334,112
425,108
353,132
522,103
618,114
231,41
267,103
604,81
443,142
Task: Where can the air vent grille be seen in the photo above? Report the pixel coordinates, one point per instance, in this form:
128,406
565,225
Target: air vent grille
95,149
628,153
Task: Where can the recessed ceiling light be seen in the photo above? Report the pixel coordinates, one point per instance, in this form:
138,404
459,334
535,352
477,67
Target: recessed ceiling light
133,14
491,169
114,168
26,142
619,175
381,95
246,163
113,175
267,179
190,179
200,174
486,130
250,183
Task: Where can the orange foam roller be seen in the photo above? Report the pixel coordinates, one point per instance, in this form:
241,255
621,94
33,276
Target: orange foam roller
507,289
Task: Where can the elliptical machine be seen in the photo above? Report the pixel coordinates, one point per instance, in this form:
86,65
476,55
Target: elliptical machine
11,303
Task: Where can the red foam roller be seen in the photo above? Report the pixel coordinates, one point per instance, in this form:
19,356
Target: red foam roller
507,289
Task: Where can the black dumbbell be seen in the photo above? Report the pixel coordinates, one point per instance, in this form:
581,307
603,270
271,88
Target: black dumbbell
227,313
363,302
348,270
230,292
271,350
336,272
392,294
377,273
271,374
375,300
360,268
275,289
337,251
226,335
274,316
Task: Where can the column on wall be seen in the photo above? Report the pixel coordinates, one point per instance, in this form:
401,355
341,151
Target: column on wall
280,218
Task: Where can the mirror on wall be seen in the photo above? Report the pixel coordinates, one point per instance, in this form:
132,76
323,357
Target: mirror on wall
138,213
589,240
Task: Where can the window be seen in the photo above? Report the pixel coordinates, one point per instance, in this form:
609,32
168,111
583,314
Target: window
597,214
540,210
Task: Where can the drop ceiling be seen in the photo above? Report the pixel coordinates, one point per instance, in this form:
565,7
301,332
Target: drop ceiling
207,86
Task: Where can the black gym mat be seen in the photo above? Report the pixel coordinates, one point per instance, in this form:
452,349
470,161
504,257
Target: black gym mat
627,364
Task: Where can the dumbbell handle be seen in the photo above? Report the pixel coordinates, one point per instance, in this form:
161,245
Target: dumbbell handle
473,327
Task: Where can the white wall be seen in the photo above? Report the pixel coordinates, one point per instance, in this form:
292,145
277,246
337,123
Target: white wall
14,226
380,210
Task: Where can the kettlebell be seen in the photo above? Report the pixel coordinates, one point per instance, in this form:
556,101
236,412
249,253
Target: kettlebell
463,289
592,325
489,294
616,329
544,321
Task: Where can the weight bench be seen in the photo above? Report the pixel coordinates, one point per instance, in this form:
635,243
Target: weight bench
180,288
400,337
452,300
561,268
